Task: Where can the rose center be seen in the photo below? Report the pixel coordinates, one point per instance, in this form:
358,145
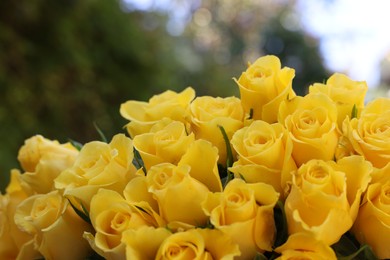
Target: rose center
260,140
120,221
162,178
174,251
385,198
258,74
383,128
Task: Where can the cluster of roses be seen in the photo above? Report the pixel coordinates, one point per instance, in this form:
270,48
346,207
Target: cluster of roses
160,194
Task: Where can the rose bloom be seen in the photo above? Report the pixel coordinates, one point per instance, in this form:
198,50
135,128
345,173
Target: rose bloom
207,171
369,135
167,141
208,113
304,246
111,215
263,86
312,125
99,165
372,225
14,243
43,160
345,92
143,115
325,197
137,248
264,154
244,212
56,228
198,244
136,192
167,183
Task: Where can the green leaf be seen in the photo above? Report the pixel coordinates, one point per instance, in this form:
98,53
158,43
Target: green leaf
100,132
260,256
83,214
222,171
354,111
229,155
250,114
138,162
281,224
76,144
368,254
348,248
95,256
242,177
208,225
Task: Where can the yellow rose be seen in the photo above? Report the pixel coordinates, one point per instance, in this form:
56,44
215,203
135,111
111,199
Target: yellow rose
208,113
264,154
263,86
304,246
312,125
99,165
197,244
136,191
346,93
244,212
369,135
143,115
372,225
137,248
325,197
14,243
178,194
43,160
164,145
207,171
57,229
358,173
111,215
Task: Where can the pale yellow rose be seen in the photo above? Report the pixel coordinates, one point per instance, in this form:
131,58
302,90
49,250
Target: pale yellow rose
136,191
143,115
14,243
312,125
345,92
264,154
99,165
304,246
167,144
358,173
198,244
56,228
111,215
210,113
244,212
372,225
137,248
369,135
207,171
325,197
178,194
263,86
43,160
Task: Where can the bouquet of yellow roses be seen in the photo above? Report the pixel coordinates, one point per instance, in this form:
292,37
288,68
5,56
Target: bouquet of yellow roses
269,175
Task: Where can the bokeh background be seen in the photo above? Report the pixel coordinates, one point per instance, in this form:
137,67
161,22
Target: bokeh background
66,65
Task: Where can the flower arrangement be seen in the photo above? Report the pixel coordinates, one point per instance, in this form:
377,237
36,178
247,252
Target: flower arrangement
269,175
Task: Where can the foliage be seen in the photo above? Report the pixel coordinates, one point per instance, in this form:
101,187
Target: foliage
65,65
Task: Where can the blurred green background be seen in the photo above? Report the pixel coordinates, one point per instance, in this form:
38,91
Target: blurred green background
66,64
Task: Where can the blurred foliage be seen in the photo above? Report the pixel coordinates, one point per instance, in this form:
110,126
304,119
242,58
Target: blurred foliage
295,49
66,64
